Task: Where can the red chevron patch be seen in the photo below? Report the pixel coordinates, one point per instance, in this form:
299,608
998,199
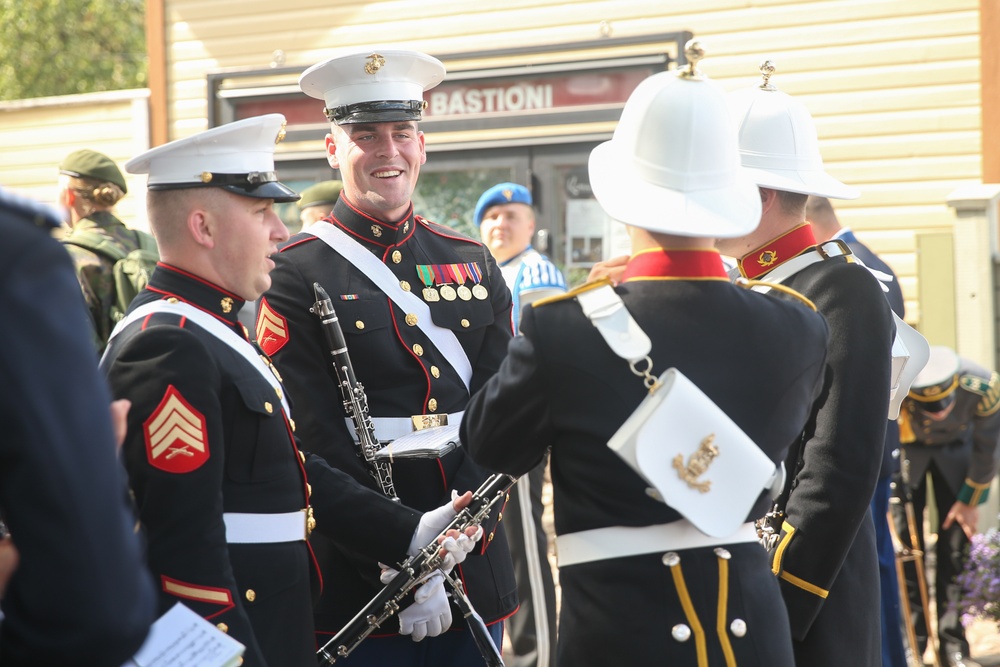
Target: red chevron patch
272,329
176,437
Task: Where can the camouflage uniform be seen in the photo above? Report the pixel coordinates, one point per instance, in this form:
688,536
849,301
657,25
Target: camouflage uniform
94,271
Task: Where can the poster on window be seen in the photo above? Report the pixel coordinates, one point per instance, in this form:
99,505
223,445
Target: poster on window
591,236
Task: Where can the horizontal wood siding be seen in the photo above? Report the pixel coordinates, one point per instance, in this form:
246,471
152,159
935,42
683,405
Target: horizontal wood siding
893,84
37,134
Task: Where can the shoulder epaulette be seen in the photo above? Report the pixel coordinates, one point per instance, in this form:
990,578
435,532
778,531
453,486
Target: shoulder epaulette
989,389
586,287
748,284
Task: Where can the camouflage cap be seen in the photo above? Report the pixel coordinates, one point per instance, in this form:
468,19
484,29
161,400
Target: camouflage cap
324,193
86,163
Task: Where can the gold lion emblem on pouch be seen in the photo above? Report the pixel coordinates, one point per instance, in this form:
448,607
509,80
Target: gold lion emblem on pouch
697,464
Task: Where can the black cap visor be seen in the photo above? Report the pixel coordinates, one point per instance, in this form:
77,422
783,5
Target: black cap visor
386,111
259,185
938,405
279,192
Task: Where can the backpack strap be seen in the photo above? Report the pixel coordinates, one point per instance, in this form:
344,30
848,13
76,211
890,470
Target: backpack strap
145,241
97,243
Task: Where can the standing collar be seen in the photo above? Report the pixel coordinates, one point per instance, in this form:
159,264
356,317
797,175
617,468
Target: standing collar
363,227
656,263
846,235
516,258
172,282
777,251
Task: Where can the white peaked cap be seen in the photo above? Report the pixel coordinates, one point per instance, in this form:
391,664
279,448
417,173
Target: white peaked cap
373,85
779,144
238,157
673,165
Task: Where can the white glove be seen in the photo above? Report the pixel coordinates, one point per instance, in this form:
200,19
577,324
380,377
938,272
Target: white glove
430,613
458,548
430,526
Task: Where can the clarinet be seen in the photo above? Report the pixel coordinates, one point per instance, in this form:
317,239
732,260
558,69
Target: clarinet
353,393
412,571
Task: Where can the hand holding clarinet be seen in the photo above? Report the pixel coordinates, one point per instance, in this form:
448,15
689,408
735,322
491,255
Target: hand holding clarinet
429,565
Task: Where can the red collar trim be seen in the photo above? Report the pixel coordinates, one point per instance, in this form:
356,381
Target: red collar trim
777,251
682,264
201,280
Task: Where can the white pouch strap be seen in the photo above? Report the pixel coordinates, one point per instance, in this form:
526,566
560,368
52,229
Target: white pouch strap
606,310
365,261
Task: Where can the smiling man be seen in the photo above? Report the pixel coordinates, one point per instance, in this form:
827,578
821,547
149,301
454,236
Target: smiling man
220,485
426,315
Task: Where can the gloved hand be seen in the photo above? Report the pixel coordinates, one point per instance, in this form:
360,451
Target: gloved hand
430,613
430,526
458,545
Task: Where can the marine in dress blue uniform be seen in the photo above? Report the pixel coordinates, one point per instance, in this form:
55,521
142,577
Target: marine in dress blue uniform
373,99
949,429
219,482
81,594
696,600
825,558
506,220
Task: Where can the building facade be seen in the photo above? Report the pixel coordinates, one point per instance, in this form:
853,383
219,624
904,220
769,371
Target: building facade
905,95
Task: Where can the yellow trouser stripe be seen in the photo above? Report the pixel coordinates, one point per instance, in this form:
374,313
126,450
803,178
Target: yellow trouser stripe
727,649
692,617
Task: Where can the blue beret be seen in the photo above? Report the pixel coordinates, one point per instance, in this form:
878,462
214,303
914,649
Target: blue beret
503,193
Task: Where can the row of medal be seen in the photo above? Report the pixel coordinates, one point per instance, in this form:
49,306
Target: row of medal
437,279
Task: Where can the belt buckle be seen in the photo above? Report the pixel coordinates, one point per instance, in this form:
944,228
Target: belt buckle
839,243
420,422
310,521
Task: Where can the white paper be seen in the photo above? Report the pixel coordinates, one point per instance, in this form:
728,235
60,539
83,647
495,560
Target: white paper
428,443
182,638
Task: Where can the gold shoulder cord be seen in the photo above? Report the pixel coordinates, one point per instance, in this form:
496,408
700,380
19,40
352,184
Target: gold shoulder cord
748,284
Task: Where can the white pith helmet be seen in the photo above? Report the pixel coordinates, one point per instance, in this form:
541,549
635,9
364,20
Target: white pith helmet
673,163
778,142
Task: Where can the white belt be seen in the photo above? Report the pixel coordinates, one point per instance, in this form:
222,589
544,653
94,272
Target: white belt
244,528
621,541
390,428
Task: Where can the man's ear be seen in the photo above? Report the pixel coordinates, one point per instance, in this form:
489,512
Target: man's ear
199,224
768,199
331,152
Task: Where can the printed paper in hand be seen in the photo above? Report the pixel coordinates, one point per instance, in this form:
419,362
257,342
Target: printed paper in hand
182,638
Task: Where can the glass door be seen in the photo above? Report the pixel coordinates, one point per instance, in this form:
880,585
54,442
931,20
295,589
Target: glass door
450,184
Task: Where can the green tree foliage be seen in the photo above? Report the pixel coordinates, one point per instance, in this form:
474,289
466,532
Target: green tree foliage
64,47
449,197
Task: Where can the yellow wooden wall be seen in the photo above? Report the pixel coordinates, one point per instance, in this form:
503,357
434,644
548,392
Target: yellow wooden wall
893,84
37,134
